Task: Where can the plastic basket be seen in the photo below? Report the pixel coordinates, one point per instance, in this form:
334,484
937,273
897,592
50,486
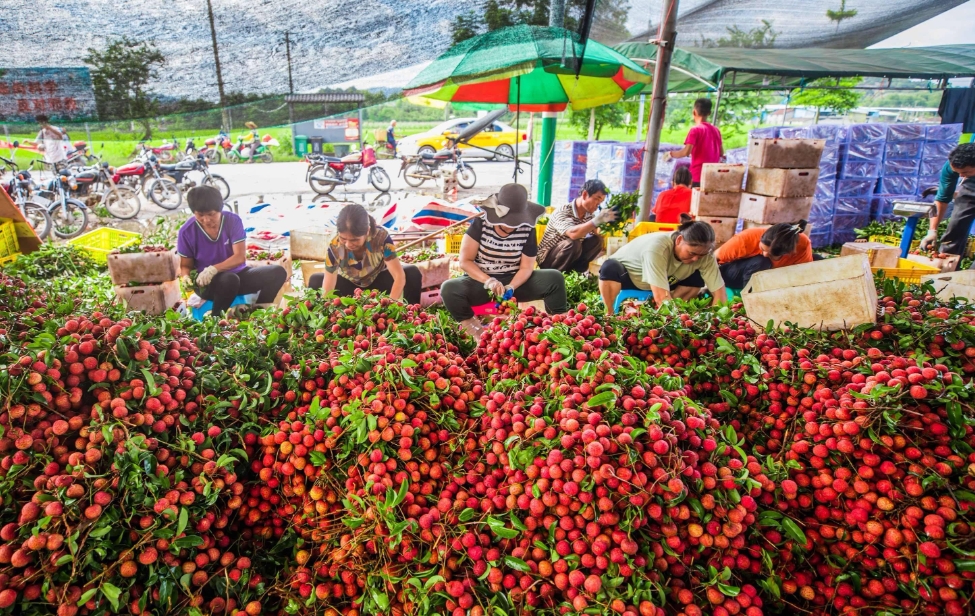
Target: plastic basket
643,228
100,242
8,238
452,244
907,271
9,259
893,240
539,232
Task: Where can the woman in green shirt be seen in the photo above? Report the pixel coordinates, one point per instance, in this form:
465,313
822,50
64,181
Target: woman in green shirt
669,265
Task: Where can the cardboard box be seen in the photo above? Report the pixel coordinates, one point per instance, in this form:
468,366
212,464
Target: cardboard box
772,210
721,177
613,244
143,267
152,299
284,262
830,294
724,228
310,244
953,284
947,264
434,272
782,182
309,268
723,204
880,255
785,153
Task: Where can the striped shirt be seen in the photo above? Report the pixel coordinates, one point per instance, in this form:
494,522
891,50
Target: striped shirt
501,255
561,221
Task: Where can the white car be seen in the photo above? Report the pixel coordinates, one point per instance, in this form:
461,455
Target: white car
497,137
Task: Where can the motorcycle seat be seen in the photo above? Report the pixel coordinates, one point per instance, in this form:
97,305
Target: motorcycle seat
352,158
86,176
79,144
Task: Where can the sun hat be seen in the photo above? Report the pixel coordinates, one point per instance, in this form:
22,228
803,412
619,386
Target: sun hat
510,207
250,125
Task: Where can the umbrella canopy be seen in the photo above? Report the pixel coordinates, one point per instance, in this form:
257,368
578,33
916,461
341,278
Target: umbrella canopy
531,67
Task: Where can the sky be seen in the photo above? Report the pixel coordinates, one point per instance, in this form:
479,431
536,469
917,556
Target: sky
954,27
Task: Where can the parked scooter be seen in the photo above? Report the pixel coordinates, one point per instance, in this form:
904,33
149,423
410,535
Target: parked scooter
428,166
180,174
166,152
262,153
95,186
326,172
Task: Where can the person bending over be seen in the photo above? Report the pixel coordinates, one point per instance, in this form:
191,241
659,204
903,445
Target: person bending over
676,201
757,250
960,165
363,256
669,265
498,254
212,242
572,239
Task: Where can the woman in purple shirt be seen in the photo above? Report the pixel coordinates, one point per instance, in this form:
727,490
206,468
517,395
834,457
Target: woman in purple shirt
213,243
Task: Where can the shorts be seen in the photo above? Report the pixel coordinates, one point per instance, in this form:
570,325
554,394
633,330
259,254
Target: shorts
613,271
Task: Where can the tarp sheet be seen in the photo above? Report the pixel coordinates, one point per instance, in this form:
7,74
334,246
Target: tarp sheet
701,69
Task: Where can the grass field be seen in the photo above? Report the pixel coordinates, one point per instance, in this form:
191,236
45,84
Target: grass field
119,148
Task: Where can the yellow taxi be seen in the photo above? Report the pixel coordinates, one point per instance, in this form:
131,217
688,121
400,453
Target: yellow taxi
498,140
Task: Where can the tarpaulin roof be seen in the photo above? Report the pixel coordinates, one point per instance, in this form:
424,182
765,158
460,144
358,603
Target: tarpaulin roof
701,69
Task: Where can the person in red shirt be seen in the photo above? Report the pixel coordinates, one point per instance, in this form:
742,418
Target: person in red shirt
676,201
756,250
703,142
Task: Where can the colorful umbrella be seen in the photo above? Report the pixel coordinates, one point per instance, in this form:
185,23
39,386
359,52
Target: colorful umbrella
533,68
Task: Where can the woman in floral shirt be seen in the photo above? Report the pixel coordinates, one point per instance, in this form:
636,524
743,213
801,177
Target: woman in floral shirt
363,256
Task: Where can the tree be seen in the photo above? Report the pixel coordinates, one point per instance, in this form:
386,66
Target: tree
841,14
121,75
606,115
838,101
609,22
761,37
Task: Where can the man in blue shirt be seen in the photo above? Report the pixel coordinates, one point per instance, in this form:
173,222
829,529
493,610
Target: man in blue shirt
960,165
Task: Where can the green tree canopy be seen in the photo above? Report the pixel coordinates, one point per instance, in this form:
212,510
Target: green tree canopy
121,75
839,98
613,115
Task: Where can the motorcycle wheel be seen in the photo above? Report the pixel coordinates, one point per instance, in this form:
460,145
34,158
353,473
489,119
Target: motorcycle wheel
69,217
466,177
213,157
233,157
380,179
144,184
266,157
38,218
321,188
414,174
220,184
123,202
166,156
165,194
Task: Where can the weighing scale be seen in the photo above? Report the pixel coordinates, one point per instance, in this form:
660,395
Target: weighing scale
912,211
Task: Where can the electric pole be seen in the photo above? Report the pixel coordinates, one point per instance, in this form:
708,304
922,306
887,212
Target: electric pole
287,48
658,105
216,61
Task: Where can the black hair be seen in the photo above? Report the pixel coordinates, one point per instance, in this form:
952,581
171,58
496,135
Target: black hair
42,119
204,199
694,232
591,187
356,220
682,176
962,156
703,107
782,238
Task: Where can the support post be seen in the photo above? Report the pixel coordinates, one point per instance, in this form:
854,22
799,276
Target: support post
545,156
287,48
717,102
358,113
592,124
658,105
88,134
639,120
216,60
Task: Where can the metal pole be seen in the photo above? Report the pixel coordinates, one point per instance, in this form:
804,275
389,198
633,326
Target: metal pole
658,105
717,102
592,124
287,48
216,61
545,156
358,111
639,120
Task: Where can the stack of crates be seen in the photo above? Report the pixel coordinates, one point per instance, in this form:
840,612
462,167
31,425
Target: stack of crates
824,201
569,169
860,164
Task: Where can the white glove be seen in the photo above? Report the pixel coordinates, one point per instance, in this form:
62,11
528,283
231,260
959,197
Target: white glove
186,282
604,216
667,156
929,239
494,286
203,278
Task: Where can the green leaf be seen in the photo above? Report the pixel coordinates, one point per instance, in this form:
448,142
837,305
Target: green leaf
184,517
607,399
793,531
965,565
100,531
272,339
382,601
407,363
498,527
728,591
467,515
518,523
150,382
107,434
85,598
401,494
111,593
187,542
516,563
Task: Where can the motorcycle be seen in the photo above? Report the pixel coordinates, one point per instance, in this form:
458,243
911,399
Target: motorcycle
79,156
68,215
166,152
20,188
216,147
262,153
429,166
326,172
179,174
95,186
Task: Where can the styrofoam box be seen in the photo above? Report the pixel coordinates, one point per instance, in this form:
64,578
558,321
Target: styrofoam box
953,284
143,267
310,244
153,299
720,177
785,153
880,255
715,204
724,227
832,294
782,182
771,210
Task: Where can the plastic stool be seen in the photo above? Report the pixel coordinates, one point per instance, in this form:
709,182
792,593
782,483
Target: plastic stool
631,294
485,309
732,293
199,313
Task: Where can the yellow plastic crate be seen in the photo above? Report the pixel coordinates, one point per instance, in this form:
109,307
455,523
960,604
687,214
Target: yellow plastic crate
9,259
8,238
452,243
893,240
642,228
100,242
539,232
907,271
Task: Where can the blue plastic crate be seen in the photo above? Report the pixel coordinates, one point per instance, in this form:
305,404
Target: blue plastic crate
882,206
791,132
927,181
864,151
831,154
931,166
859,169
821,237
855,188
905,132
898,185
900,167
859,206
943,132
630,155
832,133
904,150
737,156
769,132
822,208
825,190
827,172
868,133
938,149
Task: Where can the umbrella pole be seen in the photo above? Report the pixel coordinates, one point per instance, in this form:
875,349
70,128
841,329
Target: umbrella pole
517,123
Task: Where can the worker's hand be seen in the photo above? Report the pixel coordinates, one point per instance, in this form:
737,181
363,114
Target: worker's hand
667,157
186,282
604,216
494,286
203,278
929,239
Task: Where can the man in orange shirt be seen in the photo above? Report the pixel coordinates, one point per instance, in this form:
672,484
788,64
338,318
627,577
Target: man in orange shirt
756,250
676,201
